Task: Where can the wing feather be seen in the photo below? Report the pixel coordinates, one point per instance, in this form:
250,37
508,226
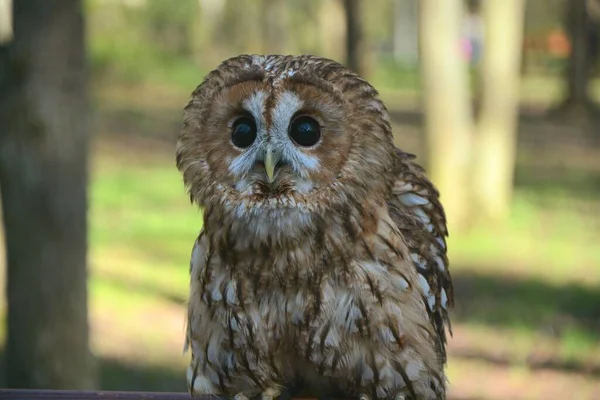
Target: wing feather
416,208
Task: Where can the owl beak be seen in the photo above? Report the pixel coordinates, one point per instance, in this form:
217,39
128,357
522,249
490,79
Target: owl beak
269,164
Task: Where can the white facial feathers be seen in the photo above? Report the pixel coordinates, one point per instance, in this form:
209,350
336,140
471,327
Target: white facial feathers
242,164
286,105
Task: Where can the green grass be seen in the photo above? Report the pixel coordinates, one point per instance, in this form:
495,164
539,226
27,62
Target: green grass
145,208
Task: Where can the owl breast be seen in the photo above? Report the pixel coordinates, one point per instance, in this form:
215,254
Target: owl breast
307,317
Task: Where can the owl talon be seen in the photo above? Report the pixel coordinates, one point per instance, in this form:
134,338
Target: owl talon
270,394
400,396
240,396
364,397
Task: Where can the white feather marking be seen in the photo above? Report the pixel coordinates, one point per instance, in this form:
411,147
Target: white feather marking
440,264
214,347
413,370
441,242
201,384
401,187
303,186
367,374
215,291
298,307
300,161
399,282
269,65
411,199
243,163
230,361
416,258
431,302
372,268
230,293
288,104
421,214
424,285
427,291
255,318
333,338
197,256
444,298
378,105
386,373
255,104
386,335
215,294
328,292
234,324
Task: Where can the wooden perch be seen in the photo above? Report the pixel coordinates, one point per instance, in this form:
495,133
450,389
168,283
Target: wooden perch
18,394
22,394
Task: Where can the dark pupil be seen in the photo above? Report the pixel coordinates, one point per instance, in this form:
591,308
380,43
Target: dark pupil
305,131
244,132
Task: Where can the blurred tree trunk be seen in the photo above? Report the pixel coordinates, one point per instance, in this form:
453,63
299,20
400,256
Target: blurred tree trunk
273,26
494,155
43,173
583,32
332,28
448,119
208,43
6,33
354,36
406,31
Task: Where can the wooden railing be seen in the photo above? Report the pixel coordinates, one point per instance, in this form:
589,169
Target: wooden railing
18,394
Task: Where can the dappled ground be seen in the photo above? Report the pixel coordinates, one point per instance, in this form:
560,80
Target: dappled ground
527,320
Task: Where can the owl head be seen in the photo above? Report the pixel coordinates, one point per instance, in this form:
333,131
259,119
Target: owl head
271,141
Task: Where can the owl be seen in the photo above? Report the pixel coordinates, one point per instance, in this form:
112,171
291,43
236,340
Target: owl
321,267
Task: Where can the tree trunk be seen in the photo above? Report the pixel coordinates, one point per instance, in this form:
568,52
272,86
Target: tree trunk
207,40
577,78
497,129
354,36
43,173
406,32
448,119
6,33
332,29
581,30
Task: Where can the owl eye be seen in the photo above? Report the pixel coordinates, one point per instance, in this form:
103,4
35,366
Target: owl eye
243,132
305,131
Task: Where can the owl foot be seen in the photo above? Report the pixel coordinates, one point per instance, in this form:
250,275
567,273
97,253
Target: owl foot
270,393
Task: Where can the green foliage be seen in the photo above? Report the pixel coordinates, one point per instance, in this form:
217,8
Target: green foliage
391,75
142,41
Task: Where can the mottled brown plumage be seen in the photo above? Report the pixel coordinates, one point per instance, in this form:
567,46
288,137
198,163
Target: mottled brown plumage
321,266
